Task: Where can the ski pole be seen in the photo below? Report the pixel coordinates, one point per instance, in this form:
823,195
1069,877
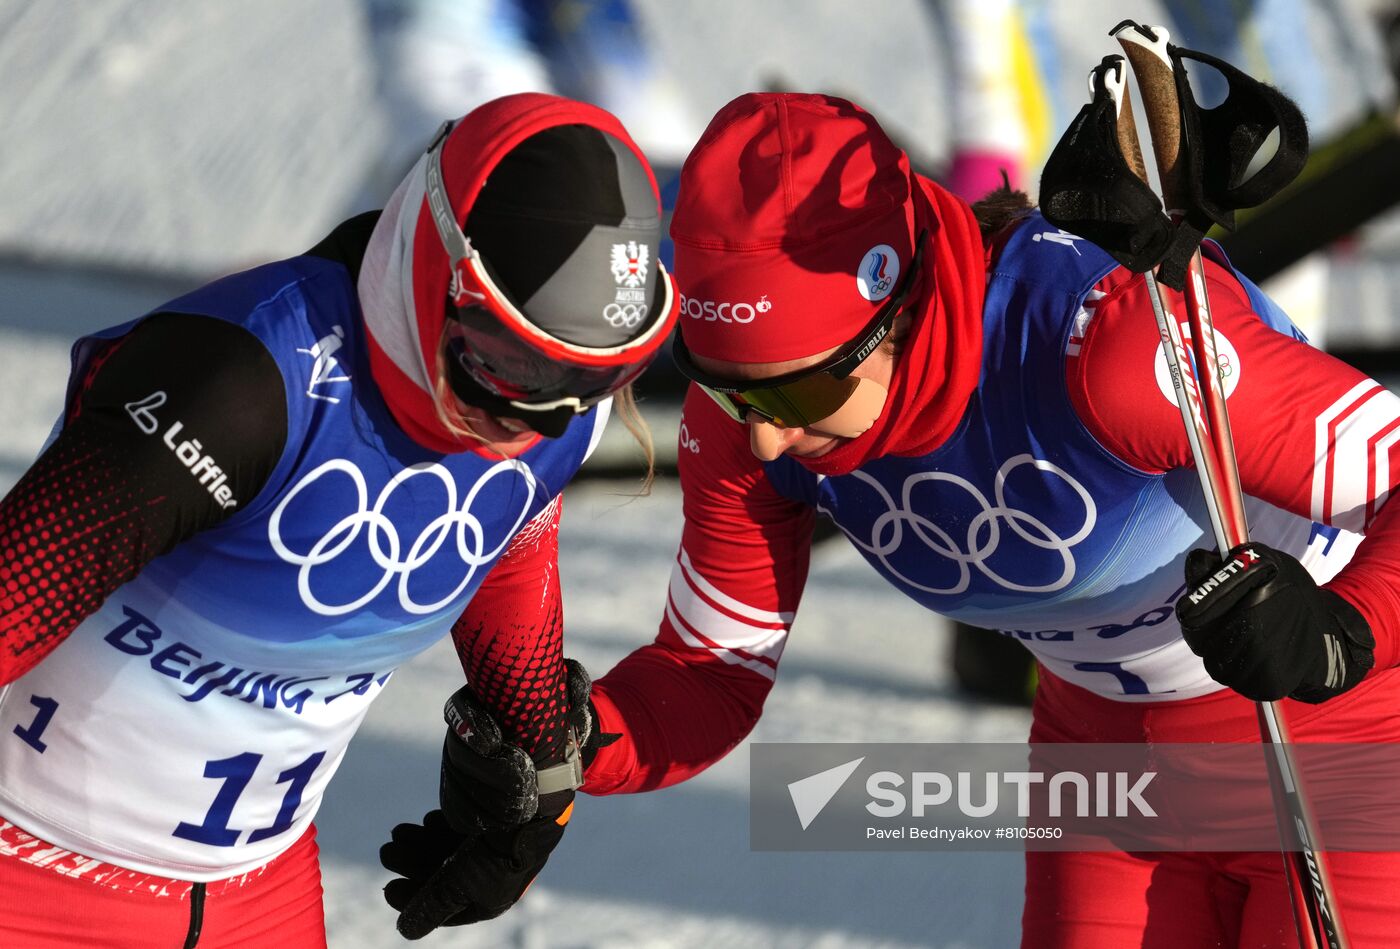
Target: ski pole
1184,382
1204,412
1147,54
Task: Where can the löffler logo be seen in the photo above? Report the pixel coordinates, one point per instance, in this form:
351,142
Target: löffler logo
189,452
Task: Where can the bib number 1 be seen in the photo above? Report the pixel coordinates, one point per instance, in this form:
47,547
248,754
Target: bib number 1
30,734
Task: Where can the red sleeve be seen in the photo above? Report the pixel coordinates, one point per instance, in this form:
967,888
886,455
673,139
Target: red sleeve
110,494
1313,435
510,639
684,701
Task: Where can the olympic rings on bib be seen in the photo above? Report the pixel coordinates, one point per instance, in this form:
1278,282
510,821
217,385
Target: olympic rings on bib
385,546
984,531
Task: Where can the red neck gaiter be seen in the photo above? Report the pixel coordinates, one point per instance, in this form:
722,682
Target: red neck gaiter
940,361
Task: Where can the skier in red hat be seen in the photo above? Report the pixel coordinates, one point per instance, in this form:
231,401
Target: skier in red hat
974,397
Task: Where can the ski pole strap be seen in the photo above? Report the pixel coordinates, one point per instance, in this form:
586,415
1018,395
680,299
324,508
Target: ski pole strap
1089,189
1224,145
1214,161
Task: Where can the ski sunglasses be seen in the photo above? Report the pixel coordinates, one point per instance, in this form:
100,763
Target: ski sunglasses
506,354
811,397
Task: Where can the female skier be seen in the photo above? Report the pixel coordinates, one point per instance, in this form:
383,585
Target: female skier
267,494
975,398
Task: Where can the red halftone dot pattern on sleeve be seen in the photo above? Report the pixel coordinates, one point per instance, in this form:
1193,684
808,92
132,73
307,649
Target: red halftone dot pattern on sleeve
511,641
72,531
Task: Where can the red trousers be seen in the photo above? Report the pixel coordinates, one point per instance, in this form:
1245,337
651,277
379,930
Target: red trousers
54,899
1201,900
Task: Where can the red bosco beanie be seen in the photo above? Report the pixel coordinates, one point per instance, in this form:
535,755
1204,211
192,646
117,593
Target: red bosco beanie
793,224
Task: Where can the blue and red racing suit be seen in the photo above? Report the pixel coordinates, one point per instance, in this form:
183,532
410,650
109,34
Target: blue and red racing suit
1059,511
216,565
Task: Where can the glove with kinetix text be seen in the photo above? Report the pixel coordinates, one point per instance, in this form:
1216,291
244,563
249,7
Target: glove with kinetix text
1267,630
500,818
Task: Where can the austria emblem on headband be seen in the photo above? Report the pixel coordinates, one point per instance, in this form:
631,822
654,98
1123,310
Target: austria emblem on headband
629,269
878,271
629,264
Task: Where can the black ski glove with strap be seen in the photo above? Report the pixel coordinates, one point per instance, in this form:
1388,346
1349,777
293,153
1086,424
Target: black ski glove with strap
1267,630
501,816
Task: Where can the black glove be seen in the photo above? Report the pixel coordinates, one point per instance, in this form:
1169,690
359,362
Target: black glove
500,818
450,879
1267,630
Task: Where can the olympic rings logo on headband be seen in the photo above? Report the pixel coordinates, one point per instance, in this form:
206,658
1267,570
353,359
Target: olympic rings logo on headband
382,536
984,531
624,315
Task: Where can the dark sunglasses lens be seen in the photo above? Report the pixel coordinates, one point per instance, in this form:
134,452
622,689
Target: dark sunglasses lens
509,366
483,346
726,402
802,401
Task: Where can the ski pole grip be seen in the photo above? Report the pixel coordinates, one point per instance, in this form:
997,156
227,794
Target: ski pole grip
1128,142
1146,49
1111,77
